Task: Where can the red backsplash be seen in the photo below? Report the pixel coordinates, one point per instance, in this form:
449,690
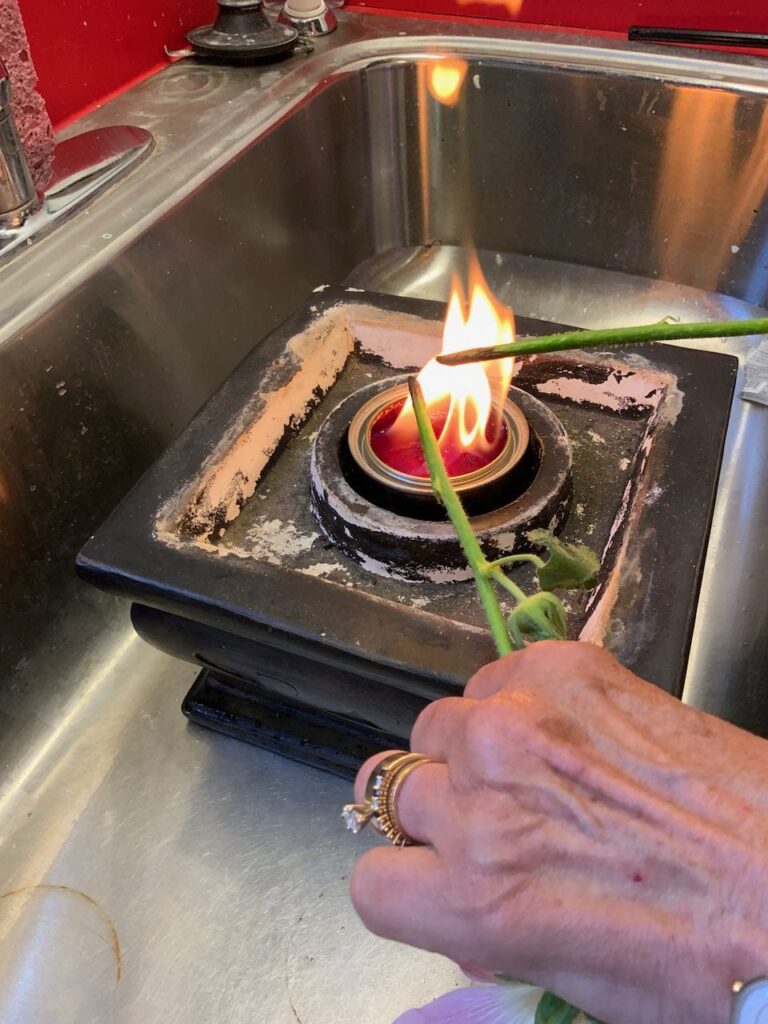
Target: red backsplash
603,15
84,50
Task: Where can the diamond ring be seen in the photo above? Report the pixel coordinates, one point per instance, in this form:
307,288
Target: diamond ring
379,807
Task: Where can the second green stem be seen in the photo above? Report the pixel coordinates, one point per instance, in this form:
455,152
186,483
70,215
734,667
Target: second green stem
441,485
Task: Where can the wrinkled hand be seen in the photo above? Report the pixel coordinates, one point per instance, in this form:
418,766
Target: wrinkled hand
585,832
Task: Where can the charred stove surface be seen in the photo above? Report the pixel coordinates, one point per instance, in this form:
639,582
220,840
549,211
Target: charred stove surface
329,656
602,419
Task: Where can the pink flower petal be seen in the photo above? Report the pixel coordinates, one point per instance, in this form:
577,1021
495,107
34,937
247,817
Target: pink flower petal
491,1004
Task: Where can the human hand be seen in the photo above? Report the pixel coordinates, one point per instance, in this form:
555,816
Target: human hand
586,833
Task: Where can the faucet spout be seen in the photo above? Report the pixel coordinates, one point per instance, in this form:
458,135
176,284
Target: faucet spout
18,197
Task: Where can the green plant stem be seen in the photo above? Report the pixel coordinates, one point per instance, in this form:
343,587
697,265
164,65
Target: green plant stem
443,488
663,331
551,1009
511,559
495,573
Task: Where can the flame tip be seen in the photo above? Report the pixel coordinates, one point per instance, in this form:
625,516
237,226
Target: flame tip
473,316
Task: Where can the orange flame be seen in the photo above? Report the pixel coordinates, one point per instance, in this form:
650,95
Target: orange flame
446,79
474,393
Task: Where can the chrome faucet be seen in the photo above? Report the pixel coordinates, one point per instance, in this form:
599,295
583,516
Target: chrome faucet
18,196
83,167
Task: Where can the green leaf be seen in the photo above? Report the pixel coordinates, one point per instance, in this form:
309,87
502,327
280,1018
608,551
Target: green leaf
539,617
553,1010
569,566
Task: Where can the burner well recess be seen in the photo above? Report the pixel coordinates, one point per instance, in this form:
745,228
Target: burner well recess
391,535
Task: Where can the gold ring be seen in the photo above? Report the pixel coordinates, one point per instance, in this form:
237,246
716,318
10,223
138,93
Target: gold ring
379,807
396,833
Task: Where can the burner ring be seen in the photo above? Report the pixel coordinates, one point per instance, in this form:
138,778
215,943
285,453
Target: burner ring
360,448
391,534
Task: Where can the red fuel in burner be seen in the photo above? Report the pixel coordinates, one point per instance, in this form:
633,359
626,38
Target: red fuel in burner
400,448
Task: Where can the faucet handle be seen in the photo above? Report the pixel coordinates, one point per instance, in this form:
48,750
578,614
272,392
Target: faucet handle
308,17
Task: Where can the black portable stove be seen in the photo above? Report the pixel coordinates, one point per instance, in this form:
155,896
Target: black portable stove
323,614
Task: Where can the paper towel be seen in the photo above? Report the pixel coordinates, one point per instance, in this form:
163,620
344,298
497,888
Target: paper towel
756,375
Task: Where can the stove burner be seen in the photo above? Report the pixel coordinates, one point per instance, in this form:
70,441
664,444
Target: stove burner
398,445
390,523
370,429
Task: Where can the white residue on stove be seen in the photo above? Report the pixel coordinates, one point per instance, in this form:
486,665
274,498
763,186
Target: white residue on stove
602,601
419,602
601,623
597,438
653,495
611,394
354,289
232,472
374,565
400,340
620,515
274,540
322,569
623,464
579,510
634,382
320,288
435,575
506,541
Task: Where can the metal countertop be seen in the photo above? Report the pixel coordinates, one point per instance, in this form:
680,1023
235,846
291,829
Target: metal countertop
153,872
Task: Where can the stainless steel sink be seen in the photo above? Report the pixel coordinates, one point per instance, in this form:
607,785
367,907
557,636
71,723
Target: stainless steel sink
602,184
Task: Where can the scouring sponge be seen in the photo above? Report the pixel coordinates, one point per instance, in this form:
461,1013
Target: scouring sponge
32,121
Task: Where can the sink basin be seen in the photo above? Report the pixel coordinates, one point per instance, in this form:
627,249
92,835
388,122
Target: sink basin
602,184
569,168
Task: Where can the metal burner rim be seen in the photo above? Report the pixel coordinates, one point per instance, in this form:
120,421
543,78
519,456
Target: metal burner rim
361,450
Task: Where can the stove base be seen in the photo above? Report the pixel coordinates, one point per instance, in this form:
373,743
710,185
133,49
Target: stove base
281,697
334,745
313,654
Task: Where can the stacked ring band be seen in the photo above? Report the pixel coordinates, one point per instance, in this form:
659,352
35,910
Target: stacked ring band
380,805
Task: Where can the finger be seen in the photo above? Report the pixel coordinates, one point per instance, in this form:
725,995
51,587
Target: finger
396,892
531,667
544,666
494,676
424,803
439,727
364,772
